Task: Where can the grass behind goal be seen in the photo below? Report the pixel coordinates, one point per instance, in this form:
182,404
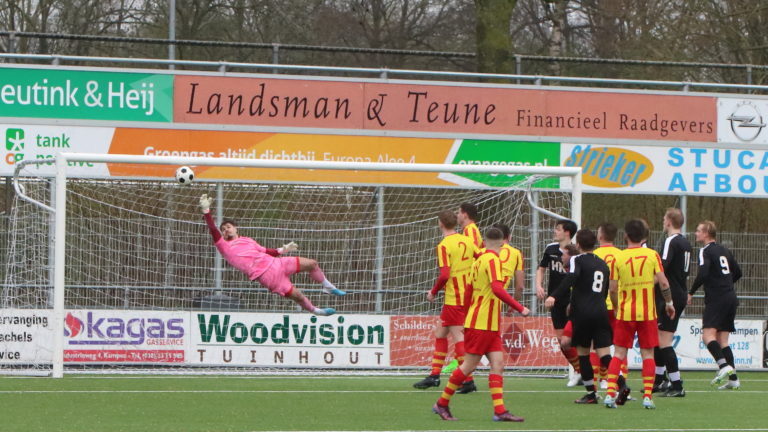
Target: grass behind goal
262,403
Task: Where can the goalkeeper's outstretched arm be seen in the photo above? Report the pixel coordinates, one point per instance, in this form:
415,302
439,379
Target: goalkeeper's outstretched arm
205,206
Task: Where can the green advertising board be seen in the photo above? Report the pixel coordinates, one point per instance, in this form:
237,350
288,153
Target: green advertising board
508,153
87,95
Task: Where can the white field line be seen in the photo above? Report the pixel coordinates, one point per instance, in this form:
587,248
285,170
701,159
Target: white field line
318,391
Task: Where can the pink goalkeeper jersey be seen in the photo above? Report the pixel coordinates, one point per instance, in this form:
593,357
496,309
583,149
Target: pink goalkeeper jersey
246,255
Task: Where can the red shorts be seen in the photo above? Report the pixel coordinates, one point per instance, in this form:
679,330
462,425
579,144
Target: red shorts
453,316
481,342
276,277
568,329
647,333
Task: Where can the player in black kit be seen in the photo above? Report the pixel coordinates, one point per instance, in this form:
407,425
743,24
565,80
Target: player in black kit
551,262
676,259
718,271
589,276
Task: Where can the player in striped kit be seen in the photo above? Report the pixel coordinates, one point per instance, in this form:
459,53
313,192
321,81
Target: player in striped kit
632,291
482,331
455,255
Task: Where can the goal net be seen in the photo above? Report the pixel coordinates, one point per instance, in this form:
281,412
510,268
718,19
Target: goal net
145,290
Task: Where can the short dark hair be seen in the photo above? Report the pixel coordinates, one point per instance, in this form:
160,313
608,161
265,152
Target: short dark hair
568,225
571,249
448,219
470,209
609,231
494,234
635,230
675,216
504,229
586,239
227,221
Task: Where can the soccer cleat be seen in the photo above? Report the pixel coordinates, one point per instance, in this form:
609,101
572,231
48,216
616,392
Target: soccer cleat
467,387
325,311
623,395
443,412
722,375
674,393
587,399
450,367
575,380
334,291
648,403
507,416
663,387
609,402
730,385
430,381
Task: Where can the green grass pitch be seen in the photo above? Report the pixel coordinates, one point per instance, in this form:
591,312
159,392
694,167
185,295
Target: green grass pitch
356,403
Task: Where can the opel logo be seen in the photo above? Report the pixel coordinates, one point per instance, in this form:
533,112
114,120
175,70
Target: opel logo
746,121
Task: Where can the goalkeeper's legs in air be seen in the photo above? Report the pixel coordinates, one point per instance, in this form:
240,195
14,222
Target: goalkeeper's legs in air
296,295
313,268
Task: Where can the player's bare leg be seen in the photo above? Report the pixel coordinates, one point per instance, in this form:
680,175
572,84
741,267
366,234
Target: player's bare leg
299,297
313,268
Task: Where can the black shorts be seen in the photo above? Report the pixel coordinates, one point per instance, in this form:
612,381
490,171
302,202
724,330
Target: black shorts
592,330
720,313
558,315
666,324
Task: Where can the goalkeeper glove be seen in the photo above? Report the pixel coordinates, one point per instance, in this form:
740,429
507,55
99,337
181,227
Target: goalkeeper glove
290,247
205,203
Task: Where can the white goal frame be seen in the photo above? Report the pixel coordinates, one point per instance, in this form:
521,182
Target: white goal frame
60,202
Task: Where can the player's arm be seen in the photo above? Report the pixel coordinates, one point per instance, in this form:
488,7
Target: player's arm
562,290
540,292
735,269
205,206
613,293
442,279
665,291
519,284
498,291
701,276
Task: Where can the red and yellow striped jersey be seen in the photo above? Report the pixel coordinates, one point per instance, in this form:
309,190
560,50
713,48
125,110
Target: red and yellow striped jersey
634,269
473,232
511,261
608,253
485,309
457,252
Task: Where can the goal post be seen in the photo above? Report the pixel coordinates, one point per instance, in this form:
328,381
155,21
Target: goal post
165,192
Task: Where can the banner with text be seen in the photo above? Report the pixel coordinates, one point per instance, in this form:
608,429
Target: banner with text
528,342
746,343
443,108
85,95
296,340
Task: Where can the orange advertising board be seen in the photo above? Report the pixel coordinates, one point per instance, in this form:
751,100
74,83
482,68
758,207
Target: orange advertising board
528,342
255,145
428,107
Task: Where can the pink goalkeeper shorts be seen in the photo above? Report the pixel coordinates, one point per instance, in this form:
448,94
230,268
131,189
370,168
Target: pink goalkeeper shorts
277,277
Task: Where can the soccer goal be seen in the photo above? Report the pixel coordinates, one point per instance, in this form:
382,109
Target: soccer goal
111,267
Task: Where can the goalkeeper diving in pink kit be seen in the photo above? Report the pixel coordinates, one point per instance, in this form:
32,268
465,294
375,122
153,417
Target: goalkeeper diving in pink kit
265,265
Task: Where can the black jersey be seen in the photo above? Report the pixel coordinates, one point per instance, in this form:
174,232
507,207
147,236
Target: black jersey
676,259
553,260
718,271
589,276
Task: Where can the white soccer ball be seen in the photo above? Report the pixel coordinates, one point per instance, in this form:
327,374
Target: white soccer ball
185,175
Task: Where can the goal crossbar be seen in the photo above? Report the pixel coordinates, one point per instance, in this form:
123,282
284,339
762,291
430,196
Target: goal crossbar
59,206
